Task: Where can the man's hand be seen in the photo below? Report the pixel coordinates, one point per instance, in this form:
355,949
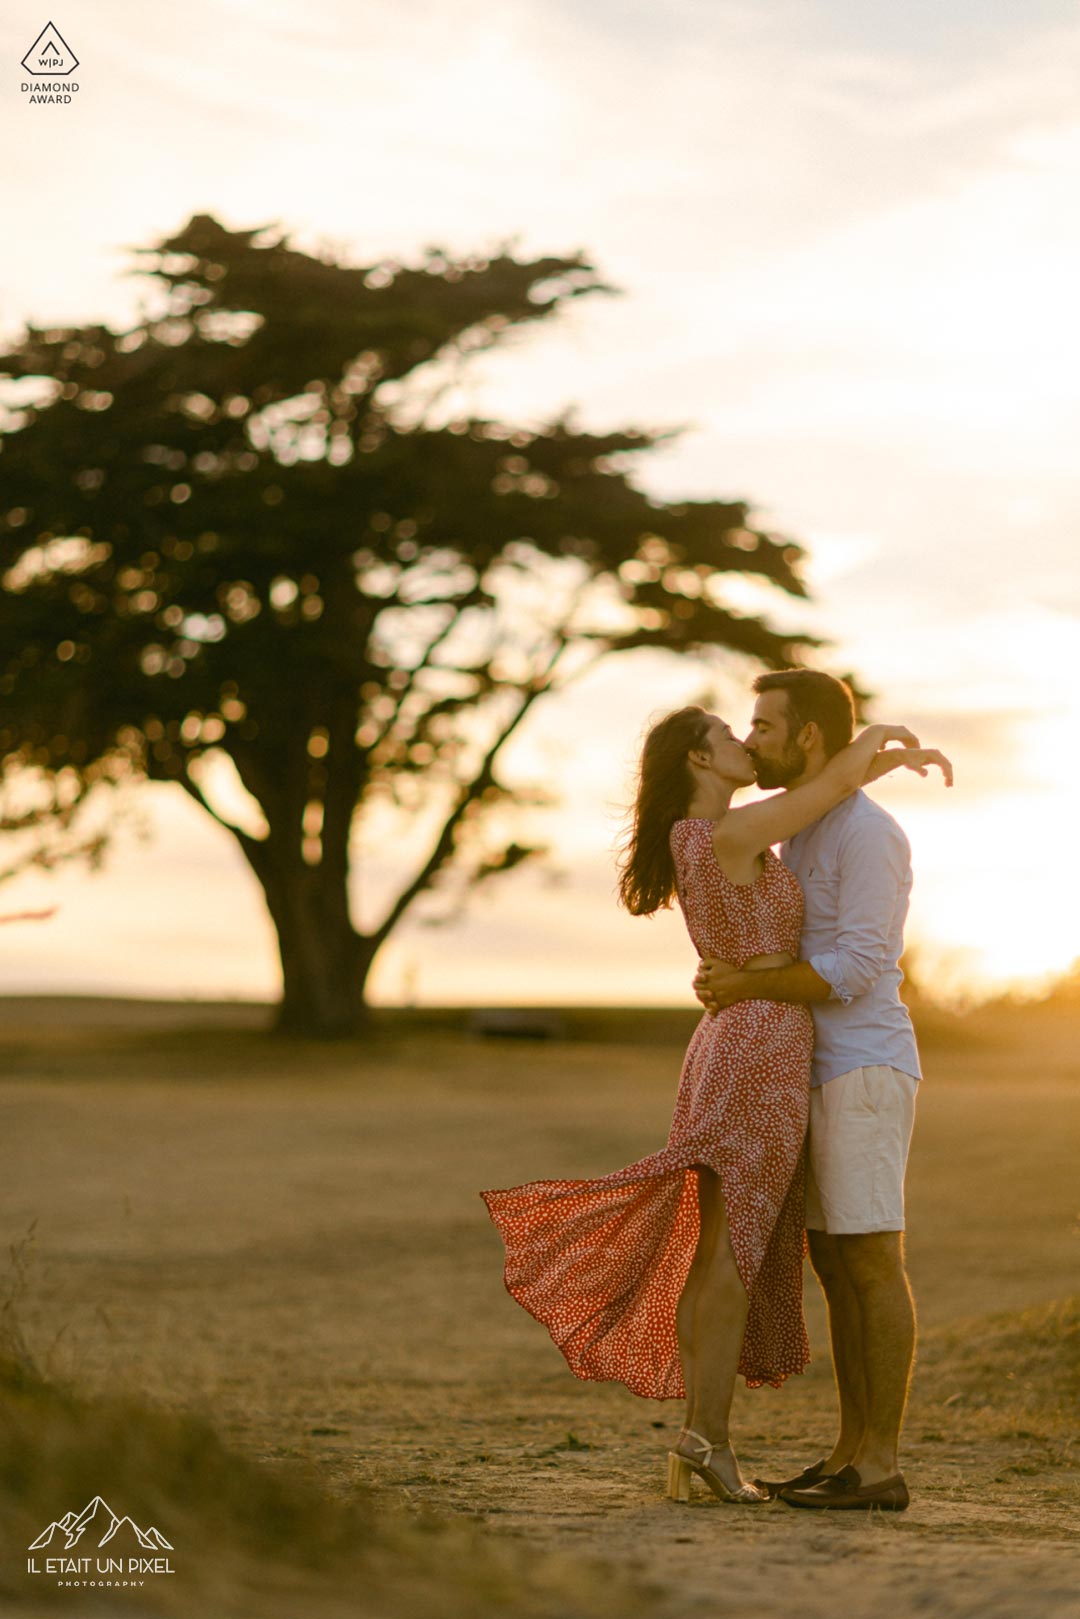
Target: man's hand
718,984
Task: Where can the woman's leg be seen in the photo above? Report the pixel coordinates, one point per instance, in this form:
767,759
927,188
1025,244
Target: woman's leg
716,1323
687,1305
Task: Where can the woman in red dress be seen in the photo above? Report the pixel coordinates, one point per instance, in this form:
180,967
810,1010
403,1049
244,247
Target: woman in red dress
685,1268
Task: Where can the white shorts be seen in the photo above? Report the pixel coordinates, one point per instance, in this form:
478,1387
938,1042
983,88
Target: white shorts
860,1131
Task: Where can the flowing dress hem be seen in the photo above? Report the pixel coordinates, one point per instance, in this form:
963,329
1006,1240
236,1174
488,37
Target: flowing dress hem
753,1380
754,1377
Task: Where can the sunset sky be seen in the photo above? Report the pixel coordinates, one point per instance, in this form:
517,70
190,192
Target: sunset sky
848,243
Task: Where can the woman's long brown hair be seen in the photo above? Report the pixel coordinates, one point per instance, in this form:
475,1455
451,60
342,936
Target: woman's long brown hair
664,788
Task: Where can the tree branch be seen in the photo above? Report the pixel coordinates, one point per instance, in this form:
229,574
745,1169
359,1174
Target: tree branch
439,639
445,843
246,841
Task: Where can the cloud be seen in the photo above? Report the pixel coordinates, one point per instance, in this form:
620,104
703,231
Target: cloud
849,240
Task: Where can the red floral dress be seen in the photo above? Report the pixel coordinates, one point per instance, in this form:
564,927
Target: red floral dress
602,1262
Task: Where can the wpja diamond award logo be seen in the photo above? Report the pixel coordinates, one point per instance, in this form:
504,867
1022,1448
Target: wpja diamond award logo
95,1547
50,61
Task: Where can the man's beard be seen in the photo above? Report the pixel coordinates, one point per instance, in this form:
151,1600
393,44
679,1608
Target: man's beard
779,772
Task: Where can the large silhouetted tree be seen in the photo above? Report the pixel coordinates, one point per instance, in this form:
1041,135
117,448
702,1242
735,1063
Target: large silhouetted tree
234,528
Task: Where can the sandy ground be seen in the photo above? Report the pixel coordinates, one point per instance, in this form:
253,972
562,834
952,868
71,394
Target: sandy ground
291,1239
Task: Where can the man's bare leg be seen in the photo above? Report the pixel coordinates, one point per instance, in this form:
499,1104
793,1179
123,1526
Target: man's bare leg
846,1341
874,1263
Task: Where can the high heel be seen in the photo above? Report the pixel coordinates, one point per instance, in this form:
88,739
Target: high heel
678,1477
681,1466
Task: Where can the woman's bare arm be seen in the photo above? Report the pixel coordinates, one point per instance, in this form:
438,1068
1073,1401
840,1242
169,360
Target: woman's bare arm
753,827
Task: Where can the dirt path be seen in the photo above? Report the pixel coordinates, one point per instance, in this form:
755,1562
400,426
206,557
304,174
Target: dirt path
294,1242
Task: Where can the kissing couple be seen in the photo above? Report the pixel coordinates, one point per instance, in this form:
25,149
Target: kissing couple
794,1110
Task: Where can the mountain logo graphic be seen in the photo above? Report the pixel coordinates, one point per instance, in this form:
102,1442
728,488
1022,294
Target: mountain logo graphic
50,54
98,1525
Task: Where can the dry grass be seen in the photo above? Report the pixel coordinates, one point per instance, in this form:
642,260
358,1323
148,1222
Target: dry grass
277,1255
249,1538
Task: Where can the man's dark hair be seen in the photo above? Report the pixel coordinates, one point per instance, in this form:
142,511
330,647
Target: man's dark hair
818,697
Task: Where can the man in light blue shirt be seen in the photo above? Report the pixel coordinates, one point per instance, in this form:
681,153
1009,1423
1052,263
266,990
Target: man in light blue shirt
854,868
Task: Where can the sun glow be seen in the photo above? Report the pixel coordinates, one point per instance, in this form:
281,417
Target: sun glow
860,305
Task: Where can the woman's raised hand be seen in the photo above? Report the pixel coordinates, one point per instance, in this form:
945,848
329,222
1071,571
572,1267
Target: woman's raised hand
894,733
909,757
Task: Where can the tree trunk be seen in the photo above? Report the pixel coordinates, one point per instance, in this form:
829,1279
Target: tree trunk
324,976
324,961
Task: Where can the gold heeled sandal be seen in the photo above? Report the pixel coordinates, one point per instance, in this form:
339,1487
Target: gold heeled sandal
681,1467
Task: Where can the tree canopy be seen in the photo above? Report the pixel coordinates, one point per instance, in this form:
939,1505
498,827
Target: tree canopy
232,531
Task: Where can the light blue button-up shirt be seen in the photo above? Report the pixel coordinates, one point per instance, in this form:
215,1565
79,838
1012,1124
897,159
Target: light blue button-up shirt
854,868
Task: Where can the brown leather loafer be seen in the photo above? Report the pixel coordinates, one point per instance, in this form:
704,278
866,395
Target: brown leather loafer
846,1492
809,1475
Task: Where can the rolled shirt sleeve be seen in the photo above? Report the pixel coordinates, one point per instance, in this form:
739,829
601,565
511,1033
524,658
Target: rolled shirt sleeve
874,879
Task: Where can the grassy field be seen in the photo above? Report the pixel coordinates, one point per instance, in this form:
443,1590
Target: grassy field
286,1242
